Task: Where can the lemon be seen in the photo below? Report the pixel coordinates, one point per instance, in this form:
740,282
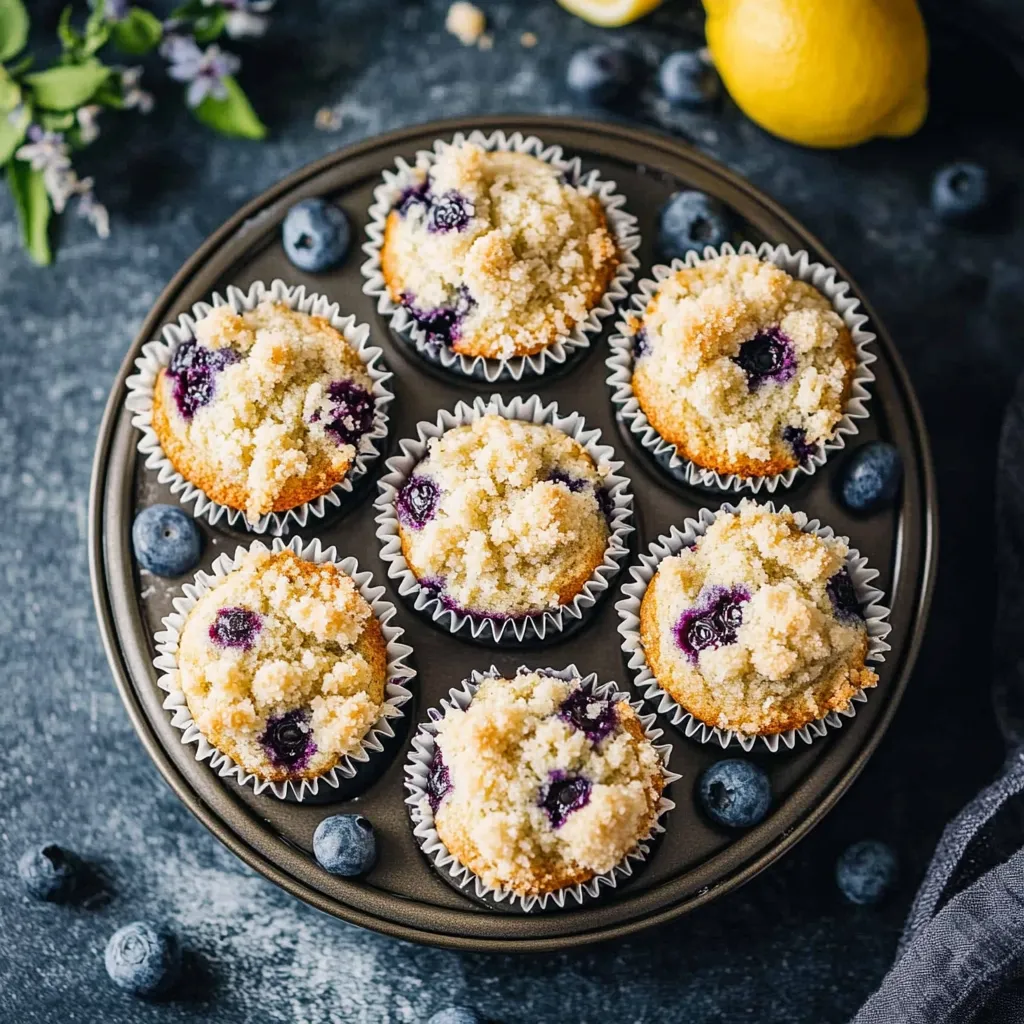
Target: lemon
823,72
609,13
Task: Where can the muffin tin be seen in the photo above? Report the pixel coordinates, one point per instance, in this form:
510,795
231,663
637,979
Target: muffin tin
694,861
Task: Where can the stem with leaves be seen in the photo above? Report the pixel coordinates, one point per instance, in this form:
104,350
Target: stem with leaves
46,115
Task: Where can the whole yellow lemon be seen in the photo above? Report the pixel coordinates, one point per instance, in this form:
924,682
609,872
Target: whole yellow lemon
823,72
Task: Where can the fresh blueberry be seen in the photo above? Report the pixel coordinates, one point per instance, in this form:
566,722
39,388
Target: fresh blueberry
690,221
345,844
960,191
316,235
166,540
735,792
49,873
142,959
871,477
563,794
599,73
456,1015
866,871
688,81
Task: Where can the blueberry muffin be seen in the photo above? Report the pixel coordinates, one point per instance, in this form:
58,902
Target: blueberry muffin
539,784
756,627
504,518
494,254
263,410
283,665
742,367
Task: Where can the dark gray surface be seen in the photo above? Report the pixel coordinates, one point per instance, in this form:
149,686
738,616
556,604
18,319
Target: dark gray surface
783,948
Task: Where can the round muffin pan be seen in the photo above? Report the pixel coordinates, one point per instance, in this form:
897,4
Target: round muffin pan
694,861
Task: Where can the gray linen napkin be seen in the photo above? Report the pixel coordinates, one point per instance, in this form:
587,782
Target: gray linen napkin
961,957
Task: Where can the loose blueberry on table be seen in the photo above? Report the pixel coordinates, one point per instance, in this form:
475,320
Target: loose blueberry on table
735,793
166,540
49,872
871,477
866,871
142,959
316,235
345,844
960,192
687,80
599,73
690,221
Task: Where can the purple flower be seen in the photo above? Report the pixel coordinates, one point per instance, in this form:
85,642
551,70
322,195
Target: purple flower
115,10
204,70
243,17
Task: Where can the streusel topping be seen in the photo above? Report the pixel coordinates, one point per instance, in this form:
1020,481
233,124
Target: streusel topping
741,366
545,785
283,665
504,517
271,406
756,627
495,254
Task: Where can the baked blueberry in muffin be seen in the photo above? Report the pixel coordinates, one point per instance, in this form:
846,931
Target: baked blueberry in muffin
283,665
503,518
494,254
263,410
756,627
542,784
742,367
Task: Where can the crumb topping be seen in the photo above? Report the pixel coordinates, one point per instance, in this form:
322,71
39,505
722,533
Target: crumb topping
743,628
741,366
514,254
283,665
533,802
287,406
512,522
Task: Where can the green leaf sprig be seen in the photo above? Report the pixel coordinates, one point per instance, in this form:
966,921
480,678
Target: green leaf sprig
47,114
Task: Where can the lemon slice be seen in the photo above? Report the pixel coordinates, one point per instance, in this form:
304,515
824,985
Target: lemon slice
609,13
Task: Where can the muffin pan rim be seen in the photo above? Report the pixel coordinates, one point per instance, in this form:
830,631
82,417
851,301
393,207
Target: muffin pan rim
435,923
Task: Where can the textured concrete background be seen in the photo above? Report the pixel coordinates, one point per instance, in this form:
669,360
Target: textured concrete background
783,949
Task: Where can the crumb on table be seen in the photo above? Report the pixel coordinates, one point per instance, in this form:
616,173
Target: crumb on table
466,22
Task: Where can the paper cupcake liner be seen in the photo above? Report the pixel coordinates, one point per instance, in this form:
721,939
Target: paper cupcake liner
622,225
798,265
418,766
529,627
876,617
395,691
157,354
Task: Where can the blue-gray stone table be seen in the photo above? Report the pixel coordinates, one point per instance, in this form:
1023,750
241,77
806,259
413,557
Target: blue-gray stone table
783,949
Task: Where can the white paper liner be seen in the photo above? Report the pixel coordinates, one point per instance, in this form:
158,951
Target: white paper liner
418,766
622,225
157,354
395,691
798,265
529,627
876,617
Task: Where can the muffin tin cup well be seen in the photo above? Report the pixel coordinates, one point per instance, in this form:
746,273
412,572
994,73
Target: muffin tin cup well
876,617
417,769
528,628
799,265
399,673
156,355
622,225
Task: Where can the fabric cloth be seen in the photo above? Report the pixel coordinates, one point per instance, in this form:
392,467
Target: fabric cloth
961,956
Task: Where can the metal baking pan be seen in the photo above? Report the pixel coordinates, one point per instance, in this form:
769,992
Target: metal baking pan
695,862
